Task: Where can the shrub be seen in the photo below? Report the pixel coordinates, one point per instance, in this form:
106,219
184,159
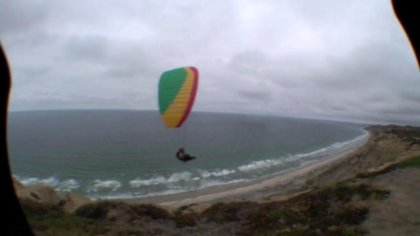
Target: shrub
151,211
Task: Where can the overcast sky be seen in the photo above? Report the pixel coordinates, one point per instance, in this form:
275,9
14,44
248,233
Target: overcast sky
339,59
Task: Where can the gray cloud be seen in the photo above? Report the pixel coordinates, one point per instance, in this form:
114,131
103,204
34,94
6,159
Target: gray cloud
19,16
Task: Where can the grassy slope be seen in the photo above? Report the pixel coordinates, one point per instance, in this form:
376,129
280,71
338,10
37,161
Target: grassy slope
412,162
335,210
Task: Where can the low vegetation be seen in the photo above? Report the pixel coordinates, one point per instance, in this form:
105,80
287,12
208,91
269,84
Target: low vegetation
331,211
117,211
336,210
412,162
51,220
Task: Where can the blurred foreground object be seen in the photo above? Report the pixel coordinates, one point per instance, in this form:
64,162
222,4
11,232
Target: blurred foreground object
407,12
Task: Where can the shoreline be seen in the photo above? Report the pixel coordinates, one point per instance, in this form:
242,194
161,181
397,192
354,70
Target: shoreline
283,184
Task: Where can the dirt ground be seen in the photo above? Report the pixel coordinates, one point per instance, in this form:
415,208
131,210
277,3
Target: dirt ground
399,214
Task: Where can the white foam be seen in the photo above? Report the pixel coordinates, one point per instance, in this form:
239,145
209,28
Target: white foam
179,176
173,178
68,185
204,183
62,186
100,185
216,173
260,165
269,163
29,180
135,183
50,181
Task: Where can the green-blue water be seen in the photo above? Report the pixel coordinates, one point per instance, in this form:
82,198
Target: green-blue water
122,154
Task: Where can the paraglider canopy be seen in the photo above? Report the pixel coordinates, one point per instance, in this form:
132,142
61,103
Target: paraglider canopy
177,90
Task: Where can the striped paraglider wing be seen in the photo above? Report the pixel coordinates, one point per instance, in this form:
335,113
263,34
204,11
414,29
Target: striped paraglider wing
177,90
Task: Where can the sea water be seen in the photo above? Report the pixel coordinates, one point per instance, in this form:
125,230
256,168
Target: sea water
107,154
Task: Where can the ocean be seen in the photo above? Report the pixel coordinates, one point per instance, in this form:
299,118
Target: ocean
111,154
